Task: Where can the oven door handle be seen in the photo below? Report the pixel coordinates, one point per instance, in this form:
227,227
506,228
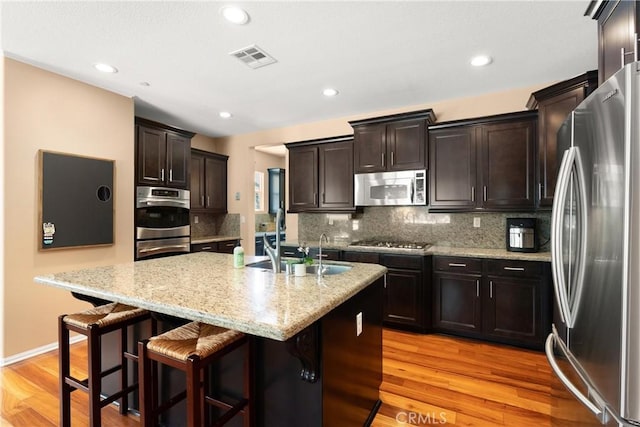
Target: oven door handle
169,203
163,248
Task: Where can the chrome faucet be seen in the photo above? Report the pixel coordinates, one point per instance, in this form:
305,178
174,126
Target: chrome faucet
326,239
274,252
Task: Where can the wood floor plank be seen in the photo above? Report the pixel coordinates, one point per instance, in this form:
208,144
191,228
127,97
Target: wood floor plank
466,382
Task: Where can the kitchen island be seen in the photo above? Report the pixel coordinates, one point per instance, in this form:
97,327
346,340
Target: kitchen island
315,366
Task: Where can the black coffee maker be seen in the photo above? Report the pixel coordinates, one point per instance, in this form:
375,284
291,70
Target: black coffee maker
521,235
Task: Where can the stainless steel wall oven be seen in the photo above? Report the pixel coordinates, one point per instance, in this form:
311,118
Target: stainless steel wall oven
162,222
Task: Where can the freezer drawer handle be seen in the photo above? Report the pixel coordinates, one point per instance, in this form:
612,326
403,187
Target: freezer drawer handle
548,349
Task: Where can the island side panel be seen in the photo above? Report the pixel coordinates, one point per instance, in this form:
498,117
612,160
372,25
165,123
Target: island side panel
351,369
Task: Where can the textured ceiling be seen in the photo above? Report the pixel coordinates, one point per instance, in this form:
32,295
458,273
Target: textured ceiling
379,55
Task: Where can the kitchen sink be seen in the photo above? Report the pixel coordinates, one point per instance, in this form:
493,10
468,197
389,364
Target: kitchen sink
327,268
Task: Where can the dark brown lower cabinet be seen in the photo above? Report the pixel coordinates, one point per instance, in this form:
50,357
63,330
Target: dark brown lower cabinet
224,246
456,302
504,301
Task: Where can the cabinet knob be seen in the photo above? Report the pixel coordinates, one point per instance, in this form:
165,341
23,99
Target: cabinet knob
491,289
392,159
382,159
478,288
473,194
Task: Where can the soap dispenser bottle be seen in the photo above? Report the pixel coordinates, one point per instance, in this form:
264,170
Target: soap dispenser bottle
238,256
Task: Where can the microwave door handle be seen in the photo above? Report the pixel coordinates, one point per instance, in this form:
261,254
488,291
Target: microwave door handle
412,190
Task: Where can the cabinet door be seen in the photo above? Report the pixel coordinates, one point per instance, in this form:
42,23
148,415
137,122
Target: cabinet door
507,165
336,175
551,114
402,297
617,26
276,189
369,144
204,247
152,156
512,308
457,303
215,184
303,178
406,145
226,246
452,156
197,181
178,159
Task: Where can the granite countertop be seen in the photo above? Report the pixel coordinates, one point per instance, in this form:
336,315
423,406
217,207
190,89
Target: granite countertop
205,287
211,239
441,250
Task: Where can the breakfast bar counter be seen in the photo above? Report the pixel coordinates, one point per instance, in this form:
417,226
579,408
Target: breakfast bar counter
316,337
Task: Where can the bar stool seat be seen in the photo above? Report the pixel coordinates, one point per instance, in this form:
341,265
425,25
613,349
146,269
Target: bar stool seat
94,323
192,348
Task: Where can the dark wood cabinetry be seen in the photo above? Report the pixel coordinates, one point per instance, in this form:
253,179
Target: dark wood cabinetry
407,288
554,104
208,182
617,34
162,155
485,163
388,143
321,175
500,300
223,246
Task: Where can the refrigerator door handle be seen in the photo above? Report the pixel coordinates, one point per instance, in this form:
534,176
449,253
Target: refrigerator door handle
564,174
548,349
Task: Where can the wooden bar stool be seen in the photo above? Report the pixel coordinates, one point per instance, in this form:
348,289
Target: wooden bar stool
192,348
94,323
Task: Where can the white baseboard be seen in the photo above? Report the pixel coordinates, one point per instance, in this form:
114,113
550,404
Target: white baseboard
37,351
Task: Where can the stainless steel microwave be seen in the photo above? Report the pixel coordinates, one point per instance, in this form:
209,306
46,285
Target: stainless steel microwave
401,188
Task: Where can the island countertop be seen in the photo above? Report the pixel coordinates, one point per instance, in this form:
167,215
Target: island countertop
205,287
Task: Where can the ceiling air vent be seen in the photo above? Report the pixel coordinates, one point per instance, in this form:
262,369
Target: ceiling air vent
253,56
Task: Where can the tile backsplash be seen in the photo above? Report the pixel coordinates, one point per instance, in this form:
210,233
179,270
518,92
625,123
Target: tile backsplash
215,225
409,223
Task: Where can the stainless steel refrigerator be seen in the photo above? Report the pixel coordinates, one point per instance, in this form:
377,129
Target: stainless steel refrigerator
594,347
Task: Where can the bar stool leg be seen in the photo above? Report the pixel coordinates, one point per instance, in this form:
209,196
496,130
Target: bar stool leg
64,371
145,395
193,393
95,379
124,372
248,382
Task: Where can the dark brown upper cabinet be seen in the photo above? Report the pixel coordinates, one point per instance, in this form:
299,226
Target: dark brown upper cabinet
390,143
208,182
162,155
485,163
617,34
321,175
554,104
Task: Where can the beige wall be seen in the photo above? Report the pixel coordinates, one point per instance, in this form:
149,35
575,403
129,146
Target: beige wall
262,162
238,148
46,111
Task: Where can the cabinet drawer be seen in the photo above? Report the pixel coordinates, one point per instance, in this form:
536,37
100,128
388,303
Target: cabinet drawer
204,247
366,257
290,251
515,268
411,262
227,246
457,264
327,254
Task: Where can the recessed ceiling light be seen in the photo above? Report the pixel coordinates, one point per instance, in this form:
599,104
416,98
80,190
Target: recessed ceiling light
481,60
105,68
235,15
225,114
330,92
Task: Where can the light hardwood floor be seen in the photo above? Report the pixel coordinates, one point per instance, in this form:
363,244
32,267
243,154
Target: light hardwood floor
428,380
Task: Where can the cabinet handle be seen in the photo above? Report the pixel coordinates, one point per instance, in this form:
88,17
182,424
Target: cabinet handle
162,174
205,248
382,159
491,289
208,200
484,193
288,253
392,159
230,245
473,194
171,175
455,264
478,288
514,268
323,256
540,191
323,199
202,200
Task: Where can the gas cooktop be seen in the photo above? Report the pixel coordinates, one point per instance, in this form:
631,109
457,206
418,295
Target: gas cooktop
391,244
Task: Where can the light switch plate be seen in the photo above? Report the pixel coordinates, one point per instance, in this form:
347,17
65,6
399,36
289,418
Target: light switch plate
195,219
358,324
237,195
476,222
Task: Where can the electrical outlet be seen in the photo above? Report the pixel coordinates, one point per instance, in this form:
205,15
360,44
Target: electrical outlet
358,324
476,222
237,195
195,219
